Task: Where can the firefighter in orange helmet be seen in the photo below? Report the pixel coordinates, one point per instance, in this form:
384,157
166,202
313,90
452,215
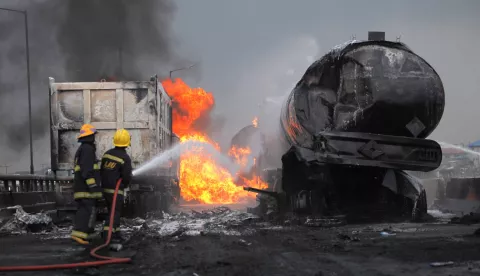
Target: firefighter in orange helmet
87,190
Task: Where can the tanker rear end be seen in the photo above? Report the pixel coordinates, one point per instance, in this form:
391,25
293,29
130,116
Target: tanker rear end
353,124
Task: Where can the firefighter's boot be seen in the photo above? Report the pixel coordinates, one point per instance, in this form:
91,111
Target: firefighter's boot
80,240
116,244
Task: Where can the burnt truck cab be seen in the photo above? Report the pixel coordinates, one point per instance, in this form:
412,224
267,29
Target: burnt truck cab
142,107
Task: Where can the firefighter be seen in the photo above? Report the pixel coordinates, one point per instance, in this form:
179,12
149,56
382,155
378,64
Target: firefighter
87,188
116,164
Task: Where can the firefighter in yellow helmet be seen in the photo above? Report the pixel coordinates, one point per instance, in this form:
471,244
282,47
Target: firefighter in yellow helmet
87,188
116,164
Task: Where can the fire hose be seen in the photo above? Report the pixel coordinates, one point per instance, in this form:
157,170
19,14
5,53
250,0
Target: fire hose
104,259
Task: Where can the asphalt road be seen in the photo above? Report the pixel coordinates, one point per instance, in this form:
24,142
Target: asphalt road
409,249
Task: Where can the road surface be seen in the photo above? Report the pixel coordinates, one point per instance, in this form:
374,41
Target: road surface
259,248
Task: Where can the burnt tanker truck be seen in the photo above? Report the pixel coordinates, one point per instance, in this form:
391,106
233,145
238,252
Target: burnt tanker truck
351,127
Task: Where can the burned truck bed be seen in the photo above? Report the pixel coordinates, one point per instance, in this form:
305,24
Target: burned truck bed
143,108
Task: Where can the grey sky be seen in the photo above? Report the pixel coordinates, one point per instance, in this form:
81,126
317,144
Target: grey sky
240,42
251,49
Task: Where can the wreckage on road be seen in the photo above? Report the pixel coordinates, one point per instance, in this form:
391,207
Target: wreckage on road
352,126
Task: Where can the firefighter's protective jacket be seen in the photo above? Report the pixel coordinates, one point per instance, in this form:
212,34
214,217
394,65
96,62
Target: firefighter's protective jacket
87,171
116,164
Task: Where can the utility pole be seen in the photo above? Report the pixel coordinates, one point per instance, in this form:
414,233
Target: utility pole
6,168
27,46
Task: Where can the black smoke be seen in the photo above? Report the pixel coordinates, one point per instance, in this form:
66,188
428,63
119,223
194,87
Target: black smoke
14,123
117,39
72,40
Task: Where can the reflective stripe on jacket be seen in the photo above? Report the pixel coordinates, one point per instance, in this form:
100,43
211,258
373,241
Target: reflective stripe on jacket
86,173
116,164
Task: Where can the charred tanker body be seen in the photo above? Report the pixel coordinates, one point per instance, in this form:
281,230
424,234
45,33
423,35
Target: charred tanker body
359,117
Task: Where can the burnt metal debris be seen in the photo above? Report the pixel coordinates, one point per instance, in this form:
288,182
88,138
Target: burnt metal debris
354,122
460,196
23,221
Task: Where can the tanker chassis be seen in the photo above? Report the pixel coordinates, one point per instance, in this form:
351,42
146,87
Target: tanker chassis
143,108
352,126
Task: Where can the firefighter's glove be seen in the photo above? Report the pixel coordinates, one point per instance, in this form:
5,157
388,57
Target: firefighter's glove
91,182
93,187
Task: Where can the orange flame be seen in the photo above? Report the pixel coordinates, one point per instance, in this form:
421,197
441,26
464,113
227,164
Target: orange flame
190,105
201,177
240,155
255,122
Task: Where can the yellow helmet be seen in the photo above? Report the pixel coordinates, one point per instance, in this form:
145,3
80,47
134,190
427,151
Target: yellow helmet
121,138
87,130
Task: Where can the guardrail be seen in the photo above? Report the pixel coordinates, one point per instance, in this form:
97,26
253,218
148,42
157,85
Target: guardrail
40,192
16,183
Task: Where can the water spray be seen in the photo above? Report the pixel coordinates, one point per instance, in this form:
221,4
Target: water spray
176,152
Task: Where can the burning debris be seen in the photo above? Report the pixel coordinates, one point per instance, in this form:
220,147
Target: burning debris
255,122
202,178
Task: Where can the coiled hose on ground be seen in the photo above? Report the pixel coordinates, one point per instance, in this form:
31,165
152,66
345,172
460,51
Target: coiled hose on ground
104,259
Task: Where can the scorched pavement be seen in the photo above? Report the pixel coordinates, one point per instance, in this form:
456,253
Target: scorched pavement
221,241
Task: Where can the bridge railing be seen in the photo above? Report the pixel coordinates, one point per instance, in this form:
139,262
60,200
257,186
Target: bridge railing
16,183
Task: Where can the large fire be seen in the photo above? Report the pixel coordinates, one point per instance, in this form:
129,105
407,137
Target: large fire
202,178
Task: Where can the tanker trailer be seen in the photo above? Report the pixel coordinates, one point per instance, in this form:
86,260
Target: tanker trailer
354,122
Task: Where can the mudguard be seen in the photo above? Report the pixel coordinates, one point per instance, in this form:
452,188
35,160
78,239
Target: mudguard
374,150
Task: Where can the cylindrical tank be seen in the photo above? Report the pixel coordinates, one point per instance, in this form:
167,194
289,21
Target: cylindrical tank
250,137
379,87
244,136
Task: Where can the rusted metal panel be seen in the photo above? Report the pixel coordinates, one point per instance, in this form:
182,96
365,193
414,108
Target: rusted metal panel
53,99
67,143
71,106
102,106
143,108
135,105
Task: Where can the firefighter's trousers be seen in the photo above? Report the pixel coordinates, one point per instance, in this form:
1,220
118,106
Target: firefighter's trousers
85,218
118,213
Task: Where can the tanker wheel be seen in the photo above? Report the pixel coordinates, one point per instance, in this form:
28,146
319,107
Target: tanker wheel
420,207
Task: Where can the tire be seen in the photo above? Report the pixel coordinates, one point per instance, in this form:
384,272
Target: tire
420,207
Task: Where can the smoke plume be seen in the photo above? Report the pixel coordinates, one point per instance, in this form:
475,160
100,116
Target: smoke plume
118,39
71,41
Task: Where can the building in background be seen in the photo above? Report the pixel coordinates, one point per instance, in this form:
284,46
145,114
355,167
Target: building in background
475,146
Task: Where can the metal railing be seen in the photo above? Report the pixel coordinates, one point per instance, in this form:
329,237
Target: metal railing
31,183
18,183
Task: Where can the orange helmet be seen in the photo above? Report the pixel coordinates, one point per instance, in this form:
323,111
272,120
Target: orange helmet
87,130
